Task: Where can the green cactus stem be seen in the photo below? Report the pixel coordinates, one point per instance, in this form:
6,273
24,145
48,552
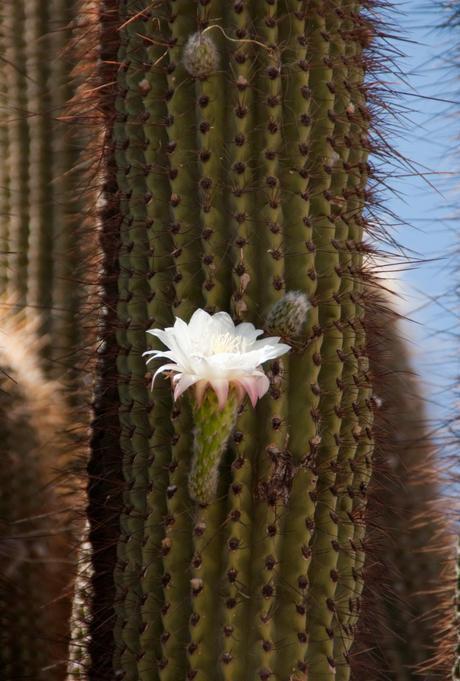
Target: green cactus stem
5,173
213,426
19,146
39,122
239,182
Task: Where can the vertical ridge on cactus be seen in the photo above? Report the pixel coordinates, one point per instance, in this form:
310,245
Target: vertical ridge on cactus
161,264
38,119
5,171
105,474
19,145
355,447
72,253
183,223
303,394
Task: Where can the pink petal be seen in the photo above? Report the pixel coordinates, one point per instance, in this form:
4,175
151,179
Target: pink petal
184,382
250,385
221,389
262,385
239,390
200,388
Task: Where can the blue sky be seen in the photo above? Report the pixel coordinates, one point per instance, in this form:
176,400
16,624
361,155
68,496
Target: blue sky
425,204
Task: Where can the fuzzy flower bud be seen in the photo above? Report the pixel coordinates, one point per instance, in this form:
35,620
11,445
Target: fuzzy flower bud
201,57
287,316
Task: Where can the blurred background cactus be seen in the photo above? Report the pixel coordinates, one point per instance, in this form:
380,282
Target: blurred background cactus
409,629
226,167
41,255
41,259
36,524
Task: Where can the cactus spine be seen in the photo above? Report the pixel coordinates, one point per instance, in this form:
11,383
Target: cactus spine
241,179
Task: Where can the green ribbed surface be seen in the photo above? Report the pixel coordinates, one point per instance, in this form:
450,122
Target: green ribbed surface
235,188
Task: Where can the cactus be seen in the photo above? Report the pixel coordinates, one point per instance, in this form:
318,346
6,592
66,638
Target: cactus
227,541
36,528
228,186
413,554
78,652
456,668
41,247
40,255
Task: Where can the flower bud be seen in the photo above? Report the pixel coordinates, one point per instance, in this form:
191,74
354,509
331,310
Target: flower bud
201,57
288,315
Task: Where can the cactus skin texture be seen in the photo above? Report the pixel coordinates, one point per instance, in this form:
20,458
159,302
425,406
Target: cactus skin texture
36,539
212,431
225,191
413,542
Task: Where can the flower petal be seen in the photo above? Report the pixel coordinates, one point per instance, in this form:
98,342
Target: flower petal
165,336
262,384
239,390
156,354
220,387
223,323
200,388
165,367
248,331
199,321
250,385
210,349
184,382
270,350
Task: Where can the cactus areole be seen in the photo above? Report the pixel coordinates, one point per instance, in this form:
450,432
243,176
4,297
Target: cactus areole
236,163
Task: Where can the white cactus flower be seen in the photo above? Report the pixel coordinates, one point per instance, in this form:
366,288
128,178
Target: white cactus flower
211,351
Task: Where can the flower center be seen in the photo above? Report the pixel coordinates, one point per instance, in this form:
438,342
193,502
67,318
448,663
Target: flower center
225,342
